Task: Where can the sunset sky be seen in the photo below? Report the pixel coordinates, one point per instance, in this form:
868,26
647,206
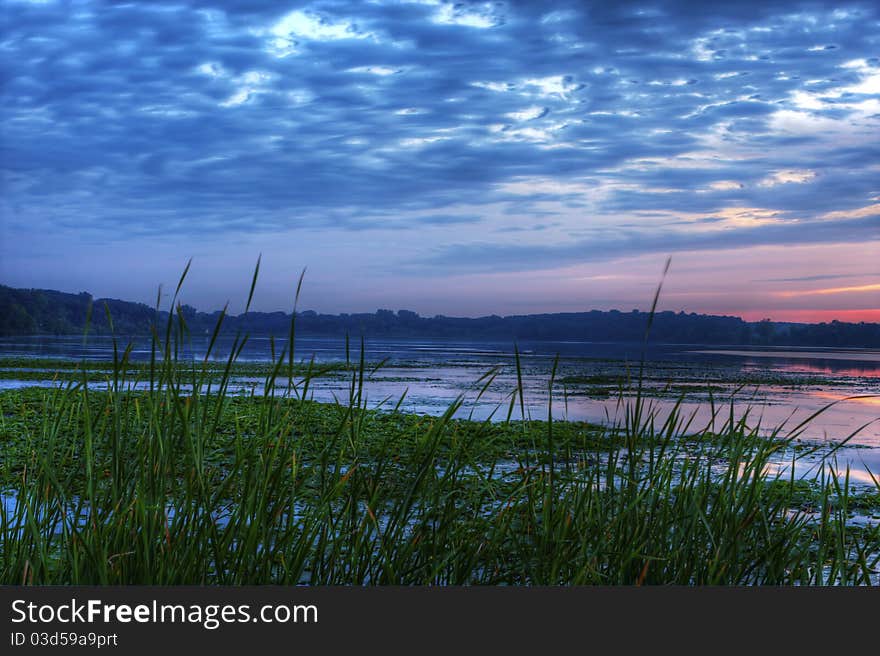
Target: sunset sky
449,158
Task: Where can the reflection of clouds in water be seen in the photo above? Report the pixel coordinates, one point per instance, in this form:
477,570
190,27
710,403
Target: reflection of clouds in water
828,363
853,354
18,384
834,397
835,370
431,391
862,467
431,374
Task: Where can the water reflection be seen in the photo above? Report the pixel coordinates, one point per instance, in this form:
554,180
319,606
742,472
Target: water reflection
823,368
773,387
855,363
836,397
833,368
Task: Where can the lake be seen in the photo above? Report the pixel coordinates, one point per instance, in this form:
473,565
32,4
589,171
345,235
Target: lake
771,387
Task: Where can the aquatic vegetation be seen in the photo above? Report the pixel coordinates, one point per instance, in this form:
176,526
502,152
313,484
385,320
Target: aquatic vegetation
186,482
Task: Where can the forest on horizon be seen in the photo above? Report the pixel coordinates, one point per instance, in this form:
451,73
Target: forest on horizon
49,312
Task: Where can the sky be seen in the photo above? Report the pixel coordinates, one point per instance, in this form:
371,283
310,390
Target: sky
461,158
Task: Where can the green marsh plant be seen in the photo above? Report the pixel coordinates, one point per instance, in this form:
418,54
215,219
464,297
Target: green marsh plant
161,473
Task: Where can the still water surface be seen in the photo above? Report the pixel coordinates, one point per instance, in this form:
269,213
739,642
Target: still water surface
772,387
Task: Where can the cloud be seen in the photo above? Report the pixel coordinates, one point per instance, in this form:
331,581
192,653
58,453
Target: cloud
239,118
873,287
807,278
606,245
787,177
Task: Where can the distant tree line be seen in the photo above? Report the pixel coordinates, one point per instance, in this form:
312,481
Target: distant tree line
39,311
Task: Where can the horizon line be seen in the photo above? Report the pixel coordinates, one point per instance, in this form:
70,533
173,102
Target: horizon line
740,316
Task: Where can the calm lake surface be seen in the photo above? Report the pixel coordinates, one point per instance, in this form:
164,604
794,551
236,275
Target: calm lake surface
771,387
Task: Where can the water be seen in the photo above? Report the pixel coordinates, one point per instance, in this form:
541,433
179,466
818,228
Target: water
773,387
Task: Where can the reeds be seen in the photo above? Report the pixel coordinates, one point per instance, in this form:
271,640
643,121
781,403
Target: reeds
186,482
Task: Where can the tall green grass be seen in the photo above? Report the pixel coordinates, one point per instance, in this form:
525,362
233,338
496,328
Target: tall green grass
187,482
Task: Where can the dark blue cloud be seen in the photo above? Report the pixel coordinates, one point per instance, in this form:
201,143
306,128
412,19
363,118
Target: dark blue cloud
144,118
807,278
